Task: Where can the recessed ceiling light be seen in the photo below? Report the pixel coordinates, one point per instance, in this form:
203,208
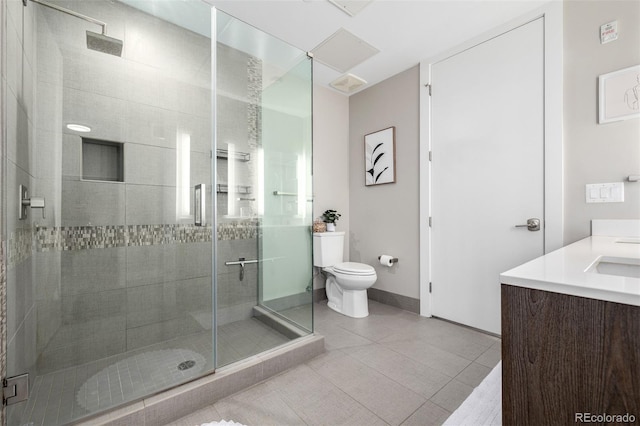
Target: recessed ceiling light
78,128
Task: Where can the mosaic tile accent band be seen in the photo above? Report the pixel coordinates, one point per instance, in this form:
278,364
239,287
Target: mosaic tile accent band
92,237
70,238
19,246
239,230
254,109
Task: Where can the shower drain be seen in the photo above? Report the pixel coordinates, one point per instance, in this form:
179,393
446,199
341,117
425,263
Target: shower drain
186,365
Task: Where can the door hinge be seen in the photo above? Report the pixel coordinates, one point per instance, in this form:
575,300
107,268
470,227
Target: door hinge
430,221
15,389
430,155
428,86
429,287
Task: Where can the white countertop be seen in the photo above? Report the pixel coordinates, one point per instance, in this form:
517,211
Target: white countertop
565,271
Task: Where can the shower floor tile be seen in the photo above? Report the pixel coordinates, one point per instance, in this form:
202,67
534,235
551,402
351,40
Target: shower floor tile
65,395
242,339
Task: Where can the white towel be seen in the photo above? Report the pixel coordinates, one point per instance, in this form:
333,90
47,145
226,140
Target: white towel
484,405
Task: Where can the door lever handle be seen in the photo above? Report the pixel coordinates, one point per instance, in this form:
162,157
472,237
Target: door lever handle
533,224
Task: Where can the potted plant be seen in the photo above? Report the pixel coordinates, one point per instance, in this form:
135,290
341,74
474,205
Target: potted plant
330,217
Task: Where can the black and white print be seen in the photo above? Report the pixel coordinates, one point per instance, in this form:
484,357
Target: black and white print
379,157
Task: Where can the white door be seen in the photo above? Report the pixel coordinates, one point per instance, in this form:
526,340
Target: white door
487,115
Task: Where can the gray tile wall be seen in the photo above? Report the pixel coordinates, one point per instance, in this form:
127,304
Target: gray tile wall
239,88
131,286
48,184
129,267
19,161
86,281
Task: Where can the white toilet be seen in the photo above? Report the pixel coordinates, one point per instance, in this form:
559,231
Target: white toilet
347,282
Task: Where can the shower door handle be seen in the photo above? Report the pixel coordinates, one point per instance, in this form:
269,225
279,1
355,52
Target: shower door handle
199,203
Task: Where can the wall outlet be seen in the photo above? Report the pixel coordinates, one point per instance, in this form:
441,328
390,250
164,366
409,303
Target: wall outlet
605,192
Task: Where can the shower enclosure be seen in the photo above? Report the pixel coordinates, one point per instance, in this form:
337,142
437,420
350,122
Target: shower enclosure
156,203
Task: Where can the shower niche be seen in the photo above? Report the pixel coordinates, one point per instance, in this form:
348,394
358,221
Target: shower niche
102,160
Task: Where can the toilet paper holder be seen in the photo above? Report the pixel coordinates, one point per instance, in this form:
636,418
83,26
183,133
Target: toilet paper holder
393,259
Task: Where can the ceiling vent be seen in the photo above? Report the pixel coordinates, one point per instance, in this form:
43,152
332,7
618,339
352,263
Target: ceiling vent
350,7
343,51
348,83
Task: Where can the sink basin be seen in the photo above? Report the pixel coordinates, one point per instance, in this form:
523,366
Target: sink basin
621,266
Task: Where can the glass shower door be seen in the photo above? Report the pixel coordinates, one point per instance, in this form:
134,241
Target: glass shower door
110,283
286,281
263,172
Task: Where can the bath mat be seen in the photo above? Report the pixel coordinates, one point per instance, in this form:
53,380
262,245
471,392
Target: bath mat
484,405
222,423
138,375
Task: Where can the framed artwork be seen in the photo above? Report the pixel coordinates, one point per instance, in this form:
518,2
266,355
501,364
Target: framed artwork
380,157
619,95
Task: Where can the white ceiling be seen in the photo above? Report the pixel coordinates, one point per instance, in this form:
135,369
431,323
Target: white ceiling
405,31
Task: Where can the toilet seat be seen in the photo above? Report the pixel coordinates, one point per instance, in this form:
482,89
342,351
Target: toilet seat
354,268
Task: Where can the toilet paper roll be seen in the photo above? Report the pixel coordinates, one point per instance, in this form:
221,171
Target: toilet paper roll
386,260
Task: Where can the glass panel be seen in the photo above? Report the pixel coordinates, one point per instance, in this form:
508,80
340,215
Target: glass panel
286,278
110,292
263,150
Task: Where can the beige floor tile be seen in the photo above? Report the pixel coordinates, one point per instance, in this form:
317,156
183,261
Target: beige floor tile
386,398
441,360
258,405
411,374
336,337
429,414
319,402
452,395
392,367
491,356
473,375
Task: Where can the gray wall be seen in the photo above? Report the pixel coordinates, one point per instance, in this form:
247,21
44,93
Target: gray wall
597,153
384,218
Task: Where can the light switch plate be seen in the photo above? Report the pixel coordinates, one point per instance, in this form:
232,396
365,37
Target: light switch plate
605,192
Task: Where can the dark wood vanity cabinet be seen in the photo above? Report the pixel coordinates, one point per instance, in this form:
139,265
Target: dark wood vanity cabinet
566,357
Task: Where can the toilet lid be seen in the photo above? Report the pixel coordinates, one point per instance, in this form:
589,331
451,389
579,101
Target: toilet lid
354,268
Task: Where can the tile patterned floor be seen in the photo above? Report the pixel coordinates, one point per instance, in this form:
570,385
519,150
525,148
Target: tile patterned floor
391,368
62,396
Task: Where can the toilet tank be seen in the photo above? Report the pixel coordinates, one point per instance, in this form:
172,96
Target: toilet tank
328,248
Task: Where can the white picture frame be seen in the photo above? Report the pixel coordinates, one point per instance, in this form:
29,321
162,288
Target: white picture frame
380,157
619,95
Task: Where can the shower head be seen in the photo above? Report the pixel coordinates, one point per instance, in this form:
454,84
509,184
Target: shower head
103,43
99,42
